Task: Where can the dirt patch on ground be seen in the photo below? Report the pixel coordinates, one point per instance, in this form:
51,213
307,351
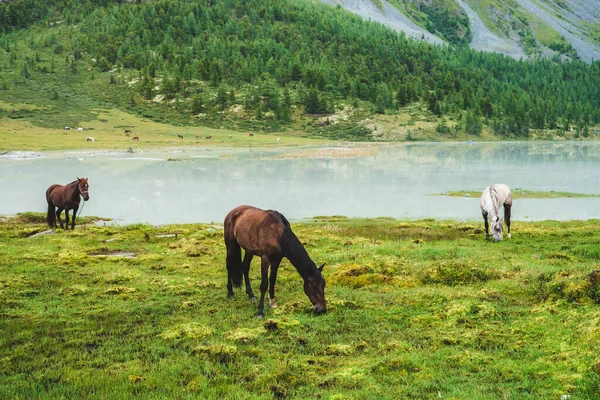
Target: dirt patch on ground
118,253
330,152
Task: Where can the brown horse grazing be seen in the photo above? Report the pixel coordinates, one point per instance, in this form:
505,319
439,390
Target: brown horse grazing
65,198
267,234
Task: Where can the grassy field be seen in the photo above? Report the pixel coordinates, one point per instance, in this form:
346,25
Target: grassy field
108,130
422,309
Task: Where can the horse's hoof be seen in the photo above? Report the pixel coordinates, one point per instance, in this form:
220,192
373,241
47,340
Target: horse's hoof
230,296
272,303
508,236
259,315
252,298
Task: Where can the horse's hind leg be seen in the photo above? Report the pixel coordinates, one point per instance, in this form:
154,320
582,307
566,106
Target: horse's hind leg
486,223
58,212
507,211
246,271
233,264
229,287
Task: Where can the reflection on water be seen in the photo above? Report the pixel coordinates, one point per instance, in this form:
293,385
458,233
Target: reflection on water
398,181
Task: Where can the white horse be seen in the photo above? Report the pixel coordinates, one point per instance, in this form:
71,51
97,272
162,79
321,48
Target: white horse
89,139
492,198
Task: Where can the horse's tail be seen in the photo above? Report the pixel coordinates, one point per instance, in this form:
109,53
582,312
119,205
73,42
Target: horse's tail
233,261
51,215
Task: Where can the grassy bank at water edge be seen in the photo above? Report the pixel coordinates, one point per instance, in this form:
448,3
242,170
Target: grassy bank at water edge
519,193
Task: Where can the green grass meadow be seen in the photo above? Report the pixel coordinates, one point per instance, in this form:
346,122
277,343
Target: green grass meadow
416,309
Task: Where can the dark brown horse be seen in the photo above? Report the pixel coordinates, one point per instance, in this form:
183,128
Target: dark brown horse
267,234
66,198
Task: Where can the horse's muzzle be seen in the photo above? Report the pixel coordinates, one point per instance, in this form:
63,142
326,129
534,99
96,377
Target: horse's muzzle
85,197
320,309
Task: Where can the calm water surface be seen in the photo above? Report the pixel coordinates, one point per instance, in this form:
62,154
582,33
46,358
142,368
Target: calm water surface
398,181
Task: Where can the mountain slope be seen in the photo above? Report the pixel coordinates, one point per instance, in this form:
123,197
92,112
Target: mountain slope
387,15
570,24
521,29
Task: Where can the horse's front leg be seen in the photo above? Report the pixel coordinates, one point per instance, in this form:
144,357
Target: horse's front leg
246,271
58,212
487,225
272,279
264,284
507,210
73,217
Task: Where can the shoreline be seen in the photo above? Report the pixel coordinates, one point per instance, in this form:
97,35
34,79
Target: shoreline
23,217
325,149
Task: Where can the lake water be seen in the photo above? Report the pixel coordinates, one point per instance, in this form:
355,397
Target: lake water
396,181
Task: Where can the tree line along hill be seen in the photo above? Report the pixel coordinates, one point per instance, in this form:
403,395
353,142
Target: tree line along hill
273,65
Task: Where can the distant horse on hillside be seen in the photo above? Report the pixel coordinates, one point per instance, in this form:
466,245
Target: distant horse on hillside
492,198
180,136
66,198
209,137
267,234
135,138
89,139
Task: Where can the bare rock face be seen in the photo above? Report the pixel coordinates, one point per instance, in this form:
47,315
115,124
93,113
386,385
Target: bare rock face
568,18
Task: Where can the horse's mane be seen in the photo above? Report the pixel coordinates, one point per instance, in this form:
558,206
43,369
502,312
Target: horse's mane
283,218
294,250
494,197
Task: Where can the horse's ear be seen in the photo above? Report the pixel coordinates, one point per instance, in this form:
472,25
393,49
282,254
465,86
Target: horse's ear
321,267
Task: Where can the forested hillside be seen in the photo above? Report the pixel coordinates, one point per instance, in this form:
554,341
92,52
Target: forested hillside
275,65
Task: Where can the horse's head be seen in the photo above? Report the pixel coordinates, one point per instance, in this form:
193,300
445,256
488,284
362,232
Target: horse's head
314,287
83,188
497,229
